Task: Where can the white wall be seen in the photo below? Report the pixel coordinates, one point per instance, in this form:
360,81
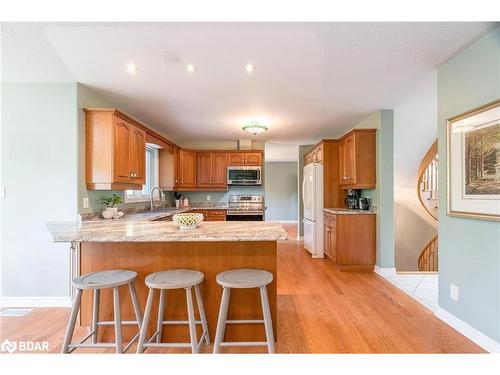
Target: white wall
415,130
39,171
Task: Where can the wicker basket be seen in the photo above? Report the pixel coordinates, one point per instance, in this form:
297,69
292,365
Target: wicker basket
188,220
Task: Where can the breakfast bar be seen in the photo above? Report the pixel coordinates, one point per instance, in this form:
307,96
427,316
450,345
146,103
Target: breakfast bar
150,246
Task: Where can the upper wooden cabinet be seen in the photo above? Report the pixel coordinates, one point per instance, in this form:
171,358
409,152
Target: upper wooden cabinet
186,169
315,155
245,158
115,151
212,169
357,159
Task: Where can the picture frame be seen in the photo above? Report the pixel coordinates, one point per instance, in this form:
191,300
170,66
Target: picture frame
473,163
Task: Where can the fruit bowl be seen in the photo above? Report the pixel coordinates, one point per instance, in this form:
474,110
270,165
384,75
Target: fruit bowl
188,220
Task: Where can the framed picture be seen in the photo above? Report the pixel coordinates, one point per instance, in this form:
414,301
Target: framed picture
473,144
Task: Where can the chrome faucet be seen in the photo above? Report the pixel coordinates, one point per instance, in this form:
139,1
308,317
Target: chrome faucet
152,194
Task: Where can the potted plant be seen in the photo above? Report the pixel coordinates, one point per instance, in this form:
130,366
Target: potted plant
111,206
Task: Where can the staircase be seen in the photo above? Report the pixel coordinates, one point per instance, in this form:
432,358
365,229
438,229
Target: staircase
427,191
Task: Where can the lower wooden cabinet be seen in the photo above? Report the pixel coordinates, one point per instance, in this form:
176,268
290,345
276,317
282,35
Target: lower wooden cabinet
211,215
350,240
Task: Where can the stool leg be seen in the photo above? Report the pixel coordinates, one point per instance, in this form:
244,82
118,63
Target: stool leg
145,322
135,304
192,322
201,310
118,320
72,321
268,324
159,322
221,321
95,314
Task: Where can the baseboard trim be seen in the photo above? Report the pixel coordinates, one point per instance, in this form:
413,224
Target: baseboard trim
471,333
384,271
35,302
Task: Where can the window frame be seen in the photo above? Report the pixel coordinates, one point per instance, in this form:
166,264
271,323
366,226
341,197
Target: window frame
151,180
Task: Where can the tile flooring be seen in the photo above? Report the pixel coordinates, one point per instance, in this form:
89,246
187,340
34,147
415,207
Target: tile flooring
422,287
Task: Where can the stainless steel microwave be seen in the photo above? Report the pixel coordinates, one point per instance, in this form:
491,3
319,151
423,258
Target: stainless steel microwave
243,176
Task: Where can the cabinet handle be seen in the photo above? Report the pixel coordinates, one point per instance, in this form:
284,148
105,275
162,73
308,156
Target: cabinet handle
328,229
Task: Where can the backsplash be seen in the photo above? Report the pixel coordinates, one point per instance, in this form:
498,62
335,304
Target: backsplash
96,206
221,196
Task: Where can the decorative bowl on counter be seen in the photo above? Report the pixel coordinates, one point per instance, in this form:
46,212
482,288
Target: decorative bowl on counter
188,220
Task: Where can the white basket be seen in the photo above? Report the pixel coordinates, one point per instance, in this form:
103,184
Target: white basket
188,220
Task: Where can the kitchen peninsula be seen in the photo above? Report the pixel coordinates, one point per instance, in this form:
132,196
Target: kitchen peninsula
147,246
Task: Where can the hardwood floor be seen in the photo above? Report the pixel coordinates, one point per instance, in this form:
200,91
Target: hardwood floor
320,310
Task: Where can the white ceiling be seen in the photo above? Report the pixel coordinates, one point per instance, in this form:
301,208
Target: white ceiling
311,80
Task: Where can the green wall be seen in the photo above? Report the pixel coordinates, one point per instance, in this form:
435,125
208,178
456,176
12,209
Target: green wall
382,196
39,170
281,190
469,250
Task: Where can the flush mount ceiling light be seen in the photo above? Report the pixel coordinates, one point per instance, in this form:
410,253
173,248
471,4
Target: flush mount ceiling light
190,68
255,128
132,68
249,68
170,57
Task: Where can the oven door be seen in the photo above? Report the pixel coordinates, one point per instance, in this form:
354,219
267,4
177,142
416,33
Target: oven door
243,176
244,215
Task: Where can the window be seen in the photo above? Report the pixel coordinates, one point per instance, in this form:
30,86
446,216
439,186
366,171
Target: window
151,179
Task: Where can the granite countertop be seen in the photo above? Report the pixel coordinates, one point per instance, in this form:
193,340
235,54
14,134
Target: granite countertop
160,213
347,211
165,231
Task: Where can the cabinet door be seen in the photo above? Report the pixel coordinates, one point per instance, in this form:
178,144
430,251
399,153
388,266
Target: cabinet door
138,156
253,158
236,158
326,237
187,169
121,161
342,175
204,169
219,169
333,239
319,153
176,167
350,159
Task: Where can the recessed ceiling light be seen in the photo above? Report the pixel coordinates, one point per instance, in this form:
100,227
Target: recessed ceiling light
190,68
132,68
249,68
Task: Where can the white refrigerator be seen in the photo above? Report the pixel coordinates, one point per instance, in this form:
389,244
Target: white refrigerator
312,197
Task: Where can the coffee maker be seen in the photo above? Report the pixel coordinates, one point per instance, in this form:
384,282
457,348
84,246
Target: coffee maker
352,199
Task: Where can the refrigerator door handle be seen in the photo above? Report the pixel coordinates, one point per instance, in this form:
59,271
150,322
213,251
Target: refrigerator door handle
303,189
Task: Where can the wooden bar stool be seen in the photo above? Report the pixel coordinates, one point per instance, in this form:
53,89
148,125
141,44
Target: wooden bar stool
244,279
96,281
174,279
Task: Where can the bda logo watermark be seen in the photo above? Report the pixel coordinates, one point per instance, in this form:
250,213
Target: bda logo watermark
24,346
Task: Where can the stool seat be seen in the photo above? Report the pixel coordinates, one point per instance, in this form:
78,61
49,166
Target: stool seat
174,279
104,279
244,278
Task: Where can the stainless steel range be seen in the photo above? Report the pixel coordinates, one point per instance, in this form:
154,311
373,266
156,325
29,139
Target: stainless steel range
245,208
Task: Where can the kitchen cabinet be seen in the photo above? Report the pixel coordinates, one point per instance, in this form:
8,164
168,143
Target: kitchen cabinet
350,240
212,169
315,155
115,151
245,158
326,153
357,159
211,215
186,169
